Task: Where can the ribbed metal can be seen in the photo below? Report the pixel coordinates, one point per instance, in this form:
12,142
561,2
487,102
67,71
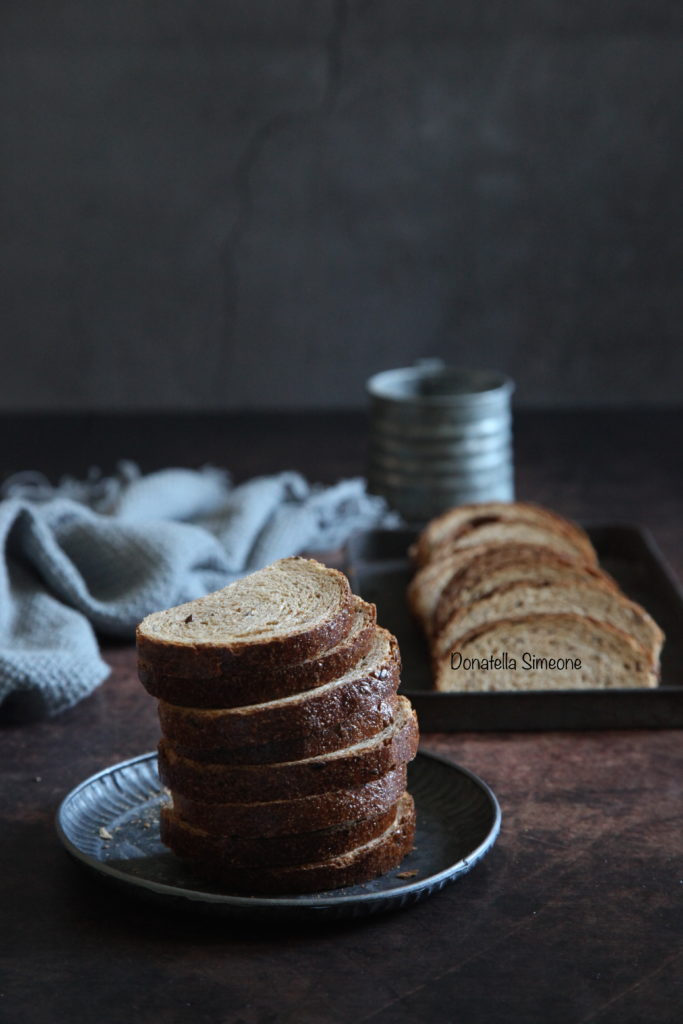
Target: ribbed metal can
440,436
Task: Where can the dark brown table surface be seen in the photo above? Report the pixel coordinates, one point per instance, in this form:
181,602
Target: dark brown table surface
575,916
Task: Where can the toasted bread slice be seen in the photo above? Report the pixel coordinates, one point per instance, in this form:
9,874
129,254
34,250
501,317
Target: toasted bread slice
243,685
289,612
540,652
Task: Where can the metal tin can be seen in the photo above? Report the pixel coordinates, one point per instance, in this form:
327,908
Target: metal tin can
440,436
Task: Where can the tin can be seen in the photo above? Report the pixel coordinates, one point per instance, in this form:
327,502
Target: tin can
440,436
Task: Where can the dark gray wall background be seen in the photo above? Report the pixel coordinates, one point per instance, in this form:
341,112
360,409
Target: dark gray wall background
246,204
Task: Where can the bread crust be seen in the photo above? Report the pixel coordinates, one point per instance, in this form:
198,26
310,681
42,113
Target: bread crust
525,557
428,588
352,868
555,624
634,620
508,531
284,743
194,844
318,709
342,769
463,516
421,597
281,817
205,659
242,685
311,744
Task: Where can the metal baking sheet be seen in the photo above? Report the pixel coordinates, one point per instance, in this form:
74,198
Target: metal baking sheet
379,569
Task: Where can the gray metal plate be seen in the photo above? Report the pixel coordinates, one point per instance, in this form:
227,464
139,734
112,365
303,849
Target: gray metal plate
458,820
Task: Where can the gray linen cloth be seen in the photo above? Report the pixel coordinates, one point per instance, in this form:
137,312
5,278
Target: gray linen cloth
101,554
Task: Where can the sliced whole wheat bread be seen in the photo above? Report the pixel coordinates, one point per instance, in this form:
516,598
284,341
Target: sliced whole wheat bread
522,598
464,518
195,844
516,532
281,817
285,745
368,685
289,612
341,769
428,583
609,658
511,564
372,858
313,743
428,587
243,686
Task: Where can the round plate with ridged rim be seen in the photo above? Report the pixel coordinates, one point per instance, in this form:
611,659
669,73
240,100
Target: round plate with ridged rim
110,823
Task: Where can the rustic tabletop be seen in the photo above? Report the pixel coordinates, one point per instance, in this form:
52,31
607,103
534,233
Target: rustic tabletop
575,916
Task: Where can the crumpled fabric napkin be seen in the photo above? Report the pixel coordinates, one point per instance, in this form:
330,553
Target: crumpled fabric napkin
99,555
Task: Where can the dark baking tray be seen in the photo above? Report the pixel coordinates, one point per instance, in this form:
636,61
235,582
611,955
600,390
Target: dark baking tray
379,569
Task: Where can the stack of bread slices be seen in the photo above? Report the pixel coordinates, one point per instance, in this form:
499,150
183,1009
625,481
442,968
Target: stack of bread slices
285,745
511,597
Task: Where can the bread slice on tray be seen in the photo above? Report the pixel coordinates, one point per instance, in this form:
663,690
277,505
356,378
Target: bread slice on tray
544,652
289,612
437,583
517,532
429,582
352,766
240,685
366,686
374,857
531,577
455,522
523,598
512,563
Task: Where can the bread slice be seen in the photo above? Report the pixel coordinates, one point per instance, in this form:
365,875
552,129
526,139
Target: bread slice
372,858
456,520
196,845
516,532
312,744
243,685
261,819
289,612
511,564
368,685
342,769
493,657
583,597
428,583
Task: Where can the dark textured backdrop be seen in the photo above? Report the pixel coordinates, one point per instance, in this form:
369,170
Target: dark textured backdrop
229,204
